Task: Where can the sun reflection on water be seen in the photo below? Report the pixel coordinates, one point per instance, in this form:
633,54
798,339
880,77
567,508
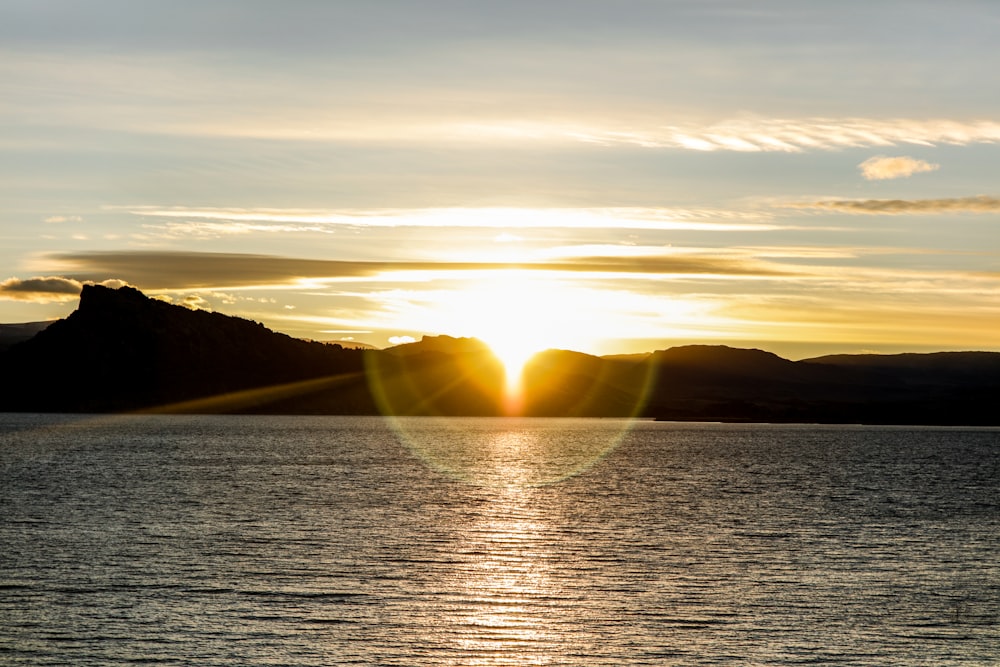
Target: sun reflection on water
508,452
510,591
507,583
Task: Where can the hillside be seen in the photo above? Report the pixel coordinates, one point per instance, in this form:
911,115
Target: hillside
123,351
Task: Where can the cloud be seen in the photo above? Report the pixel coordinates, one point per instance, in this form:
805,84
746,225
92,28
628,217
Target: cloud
42,289
192,270
195,302
881,167
212,230
158,271
63,218
240,220
790,135
746,135
795,135
980,204
704,265
47,289
402,340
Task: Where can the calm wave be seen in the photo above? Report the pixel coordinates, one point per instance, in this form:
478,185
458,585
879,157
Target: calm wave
333,541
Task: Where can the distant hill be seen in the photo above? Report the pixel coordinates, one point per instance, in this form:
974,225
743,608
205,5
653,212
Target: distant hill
438,375
11,334
701,382
121,351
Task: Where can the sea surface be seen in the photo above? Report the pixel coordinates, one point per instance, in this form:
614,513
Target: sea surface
230,540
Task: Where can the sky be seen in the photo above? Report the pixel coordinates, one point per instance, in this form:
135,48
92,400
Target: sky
610,176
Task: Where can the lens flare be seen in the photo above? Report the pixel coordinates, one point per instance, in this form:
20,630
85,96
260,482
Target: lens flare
463,416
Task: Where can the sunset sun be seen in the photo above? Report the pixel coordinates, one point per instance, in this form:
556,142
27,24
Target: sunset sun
516,312
517,315
513,351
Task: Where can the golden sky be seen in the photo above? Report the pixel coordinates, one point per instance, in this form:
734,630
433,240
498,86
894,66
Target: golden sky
608,176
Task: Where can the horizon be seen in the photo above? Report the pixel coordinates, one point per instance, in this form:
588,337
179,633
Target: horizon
626,177
124,352
515,357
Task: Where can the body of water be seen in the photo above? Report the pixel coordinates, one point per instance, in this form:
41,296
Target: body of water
224,540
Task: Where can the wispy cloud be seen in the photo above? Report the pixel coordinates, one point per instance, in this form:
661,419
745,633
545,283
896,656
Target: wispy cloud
979,204
219,221
796,135
206,229
741,135
298,107
882,167
161,271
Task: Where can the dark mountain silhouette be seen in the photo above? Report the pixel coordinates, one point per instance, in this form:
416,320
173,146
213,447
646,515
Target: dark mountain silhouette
122,351
721,383
573,384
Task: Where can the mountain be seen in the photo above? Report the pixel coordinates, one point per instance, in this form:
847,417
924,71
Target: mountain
122,351
439,375
573,384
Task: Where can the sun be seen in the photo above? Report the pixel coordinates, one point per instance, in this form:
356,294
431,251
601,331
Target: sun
507,312
511,320
512,352
516,312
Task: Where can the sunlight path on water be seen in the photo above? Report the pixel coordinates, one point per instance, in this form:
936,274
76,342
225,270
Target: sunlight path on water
506,579
509,452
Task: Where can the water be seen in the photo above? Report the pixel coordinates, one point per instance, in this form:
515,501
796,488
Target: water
336,541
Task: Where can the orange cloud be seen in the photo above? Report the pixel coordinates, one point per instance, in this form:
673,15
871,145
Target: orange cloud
882,167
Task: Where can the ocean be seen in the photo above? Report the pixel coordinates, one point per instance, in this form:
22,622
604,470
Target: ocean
250,540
